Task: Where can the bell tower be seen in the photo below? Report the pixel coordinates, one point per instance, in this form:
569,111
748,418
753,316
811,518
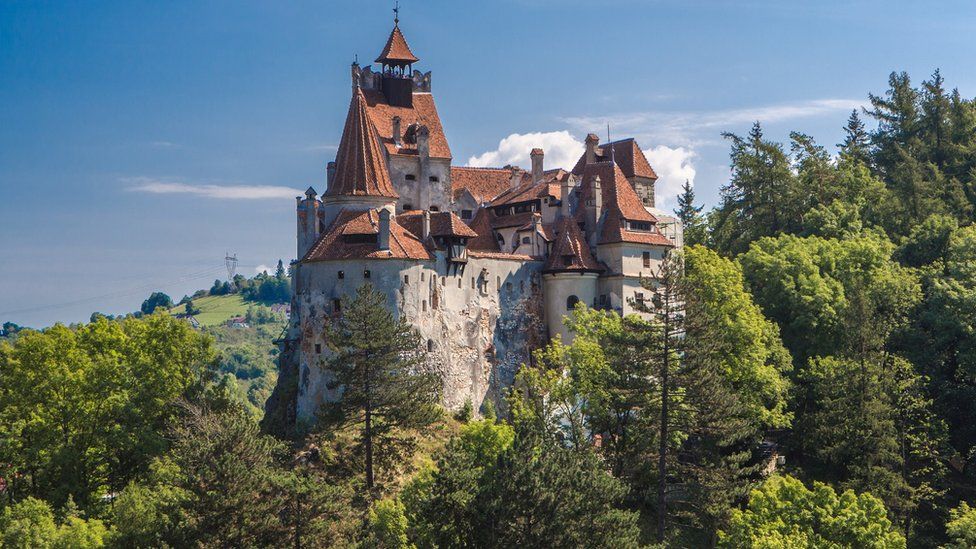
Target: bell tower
397,61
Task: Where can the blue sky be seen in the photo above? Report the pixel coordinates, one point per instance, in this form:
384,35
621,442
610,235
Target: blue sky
141,140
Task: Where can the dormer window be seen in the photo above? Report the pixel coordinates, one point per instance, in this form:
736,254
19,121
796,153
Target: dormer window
640,225
465,214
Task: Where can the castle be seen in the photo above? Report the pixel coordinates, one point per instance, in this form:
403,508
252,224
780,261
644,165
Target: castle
483,262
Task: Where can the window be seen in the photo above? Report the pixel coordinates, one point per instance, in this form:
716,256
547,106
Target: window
410,177
571,302
498,282
430,345
472,282
443,281
366,273
407,207
501,239
406,279
640,226
435,208
567,260
423,276
434,179
342,274
639,298
424,307
336,305
459,282
318,348
526,240
465,214
647,259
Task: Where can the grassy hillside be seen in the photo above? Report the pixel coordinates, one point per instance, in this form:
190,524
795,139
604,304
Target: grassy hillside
216,309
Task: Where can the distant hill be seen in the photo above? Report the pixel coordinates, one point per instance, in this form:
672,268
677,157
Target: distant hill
216,309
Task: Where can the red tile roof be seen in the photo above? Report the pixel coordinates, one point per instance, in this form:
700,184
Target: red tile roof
484,184
481,224
570,251
396,50
500,255
527,192
614,231
547,230
423,112
627,154
513,220
618,193
360,163
441,224
333,244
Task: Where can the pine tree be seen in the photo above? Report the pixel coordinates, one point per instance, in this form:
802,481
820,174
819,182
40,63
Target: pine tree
280,272
856,139
378,364
692,220
668,312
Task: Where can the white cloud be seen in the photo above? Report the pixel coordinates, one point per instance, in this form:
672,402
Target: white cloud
673,166
561,148
692,128
232,192
164,144
264,269
322,147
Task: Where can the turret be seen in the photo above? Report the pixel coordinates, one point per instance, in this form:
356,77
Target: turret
308,221
397,61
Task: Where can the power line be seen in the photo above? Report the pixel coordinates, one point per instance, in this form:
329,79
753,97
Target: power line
206,273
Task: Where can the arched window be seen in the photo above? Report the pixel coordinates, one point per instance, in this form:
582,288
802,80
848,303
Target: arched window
501,240
571,302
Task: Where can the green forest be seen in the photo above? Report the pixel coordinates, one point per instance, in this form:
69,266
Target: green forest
805,376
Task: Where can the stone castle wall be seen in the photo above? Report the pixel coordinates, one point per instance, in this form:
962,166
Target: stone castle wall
478,325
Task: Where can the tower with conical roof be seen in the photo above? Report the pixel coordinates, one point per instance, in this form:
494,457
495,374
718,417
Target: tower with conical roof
396,61
362,178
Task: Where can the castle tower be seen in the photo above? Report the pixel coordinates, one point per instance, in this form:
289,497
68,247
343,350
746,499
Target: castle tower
570,276
397,62
362,179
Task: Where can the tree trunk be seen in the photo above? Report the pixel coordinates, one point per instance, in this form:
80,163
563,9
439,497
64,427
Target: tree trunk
663,442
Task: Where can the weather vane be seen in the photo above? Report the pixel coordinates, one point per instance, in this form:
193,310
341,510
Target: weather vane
396,12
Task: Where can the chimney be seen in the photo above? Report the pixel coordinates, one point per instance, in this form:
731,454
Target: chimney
423,142
330,171
425,225
384,234
565,206
396,131
591,142
594,207
537,157
516,176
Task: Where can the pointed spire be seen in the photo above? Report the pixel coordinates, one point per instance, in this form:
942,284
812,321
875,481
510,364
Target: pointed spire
396,51
360,162
569,251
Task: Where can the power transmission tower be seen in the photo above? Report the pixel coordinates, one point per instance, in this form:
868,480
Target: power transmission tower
230,261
